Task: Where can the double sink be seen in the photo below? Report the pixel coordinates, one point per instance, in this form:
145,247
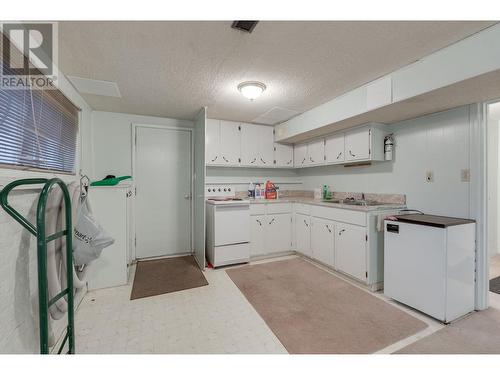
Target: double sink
354,202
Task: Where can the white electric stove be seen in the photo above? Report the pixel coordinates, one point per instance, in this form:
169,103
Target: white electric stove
228,226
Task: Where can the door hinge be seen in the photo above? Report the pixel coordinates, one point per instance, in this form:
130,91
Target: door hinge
369,151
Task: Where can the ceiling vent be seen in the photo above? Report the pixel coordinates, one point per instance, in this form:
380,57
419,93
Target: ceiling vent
275,116
246,26
95,87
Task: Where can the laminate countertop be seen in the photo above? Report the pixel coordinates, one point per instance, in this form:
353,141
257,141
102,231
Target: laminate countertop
319,202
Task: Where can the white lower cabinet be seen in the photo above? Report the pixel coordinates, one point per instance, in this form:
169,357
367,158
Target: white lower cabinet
350,250
278,233
303,234
323,240
345,240
257,235
270,228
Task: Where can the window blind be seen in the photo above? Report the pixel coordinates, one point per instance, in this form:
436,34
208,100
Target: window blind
38,129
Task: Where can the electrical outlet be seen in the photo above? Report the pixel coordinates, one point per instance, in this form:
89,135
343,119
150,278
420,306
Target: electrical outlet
429,176
465,175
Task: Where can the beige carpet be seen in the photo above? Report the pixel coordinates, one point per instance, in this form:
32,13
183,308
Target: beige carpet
154,277
478,333
312,311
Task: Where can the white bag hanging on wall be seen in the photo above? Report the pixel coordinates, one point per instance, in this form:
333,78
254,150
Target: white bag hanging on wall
89,237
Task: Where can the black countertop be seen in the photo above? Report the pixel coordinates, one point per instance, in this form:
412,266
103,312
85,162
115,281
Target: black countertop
433,220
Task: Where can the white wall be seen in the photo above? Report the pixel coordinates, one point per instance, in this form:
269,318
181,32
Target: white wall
18,285
438,142
112,140
493,178
286,179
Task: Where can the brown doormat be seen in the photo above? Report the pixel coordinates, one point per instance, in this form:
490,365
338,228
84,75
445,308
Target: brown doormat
478,333
154,277
313,312
495,285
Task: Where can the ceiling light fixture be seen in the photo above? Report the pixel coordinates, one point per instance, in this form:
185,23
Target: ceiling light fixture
251,89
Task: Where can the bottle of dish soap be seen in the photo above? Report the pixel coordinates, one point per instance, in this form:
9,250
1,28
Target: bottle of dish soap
251,190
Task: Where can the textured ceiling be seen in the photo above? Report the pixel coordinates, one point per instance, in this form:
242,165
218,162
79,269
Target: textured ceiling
172,69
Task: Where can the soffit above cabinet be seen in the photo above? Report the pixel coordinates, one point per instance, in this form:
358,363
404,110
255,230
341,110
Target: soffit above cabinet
464,73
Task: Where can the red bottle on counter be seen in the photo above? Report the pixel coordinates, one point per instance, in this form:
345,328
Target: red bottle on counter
271,190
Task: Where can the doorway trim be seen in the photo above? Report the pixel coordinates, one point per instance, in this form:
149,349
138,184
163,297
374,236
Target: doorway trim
133,140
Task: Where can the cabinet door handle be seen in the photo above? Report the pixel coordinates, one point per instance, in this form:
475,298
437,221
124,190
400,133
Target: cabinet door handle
289,162
262,160
258,221
129,194
214,159
303,161
311,159
272,221
227,161
338,156
350,153
327,227
253,161
342,231
305,222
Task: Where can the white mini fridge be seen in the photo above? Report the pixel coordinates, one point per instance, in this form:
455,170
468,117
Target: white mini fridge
429,264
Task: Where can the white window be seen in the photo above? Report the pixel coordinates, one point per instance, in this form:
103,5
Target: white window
38,130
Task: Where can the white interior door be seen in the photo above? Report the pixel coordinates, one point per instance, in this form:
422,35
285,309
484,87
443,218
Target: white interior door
163,202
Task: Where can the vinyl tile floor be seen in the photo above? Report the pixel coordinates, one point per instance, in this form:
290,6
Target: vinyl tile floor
214,319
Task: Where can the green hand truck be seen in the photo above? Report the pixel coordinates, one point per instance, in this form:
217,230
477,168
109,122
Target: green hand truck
42,239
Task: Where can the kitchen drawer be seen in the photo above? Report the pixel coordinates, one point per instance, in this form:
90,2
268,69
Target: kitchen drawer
339,214
279,208
232,254
301,208
257,209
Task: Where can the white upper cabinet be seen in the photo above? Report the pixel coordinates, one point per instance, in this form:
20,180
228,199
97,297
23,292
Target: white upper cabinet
335,149
357,144
266,141
300,155
230,143
283,155
212,142
316,152
250,145
365,143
